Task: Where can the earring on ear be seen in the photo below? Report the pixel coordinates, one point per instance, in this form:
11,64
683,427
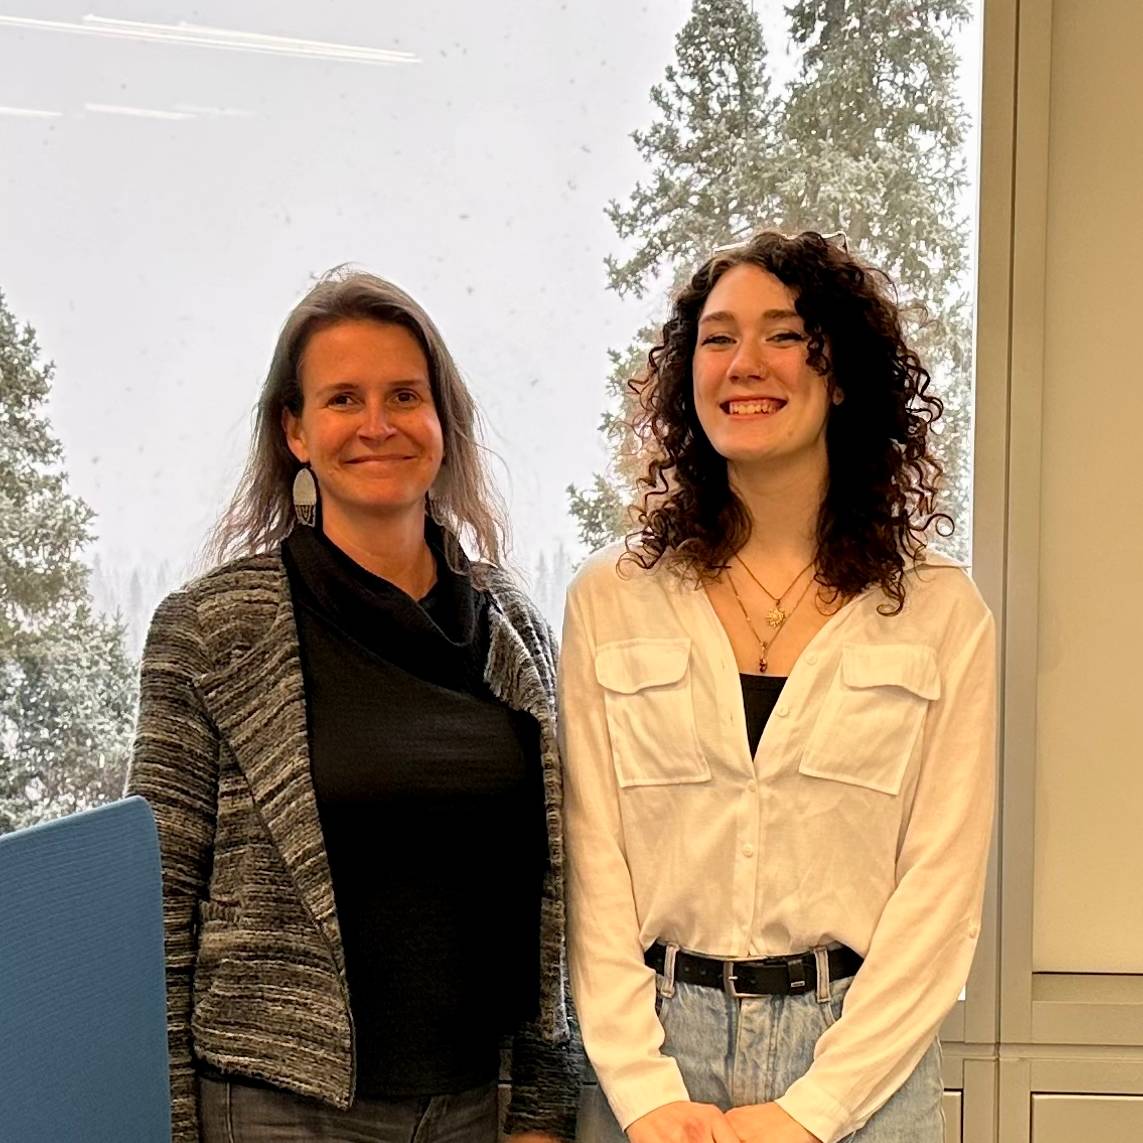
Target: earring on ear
305,497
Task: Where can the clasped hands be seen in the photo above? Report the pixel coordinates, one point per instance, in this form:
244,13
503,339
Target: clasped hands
685,1122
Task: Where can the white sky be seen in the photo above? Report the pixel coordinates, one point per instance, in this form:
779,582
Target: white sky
166,196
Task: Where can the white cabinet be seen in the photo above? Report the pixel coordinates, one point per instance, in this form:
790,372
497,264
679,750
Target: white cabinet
1071,1118
952,1117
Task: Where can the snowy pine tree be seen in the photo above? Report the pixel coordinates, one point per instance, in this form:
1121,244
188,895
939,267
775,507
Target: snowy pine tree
874,132
708,158
867,139
541,585
67,688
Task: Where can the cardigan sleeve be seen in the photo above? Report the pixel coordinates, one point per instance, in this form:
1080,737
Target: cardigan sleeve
546,1076
545,1083
175,767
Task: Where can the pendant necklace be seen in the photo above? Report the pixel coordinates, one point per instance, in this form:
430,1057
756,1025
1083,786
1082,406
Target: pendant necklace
764,645
776,616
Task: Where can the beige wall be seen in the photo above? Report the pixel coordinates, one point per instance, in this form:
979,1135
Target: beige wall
1089,785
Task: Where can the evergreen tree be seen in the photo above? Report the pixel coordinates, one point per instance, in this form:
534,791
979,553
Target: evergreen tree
67,688
710,177
710,152
561,576
135,621
867,139
134,594
101,591
542,586
874,133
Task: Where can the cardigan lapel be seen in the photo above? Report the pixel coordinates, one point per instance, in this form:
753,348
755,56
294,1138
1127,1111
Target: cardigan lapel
511,674
257,702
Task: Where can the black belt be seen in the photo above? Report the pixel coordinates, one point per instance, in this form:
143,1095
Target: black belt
774,976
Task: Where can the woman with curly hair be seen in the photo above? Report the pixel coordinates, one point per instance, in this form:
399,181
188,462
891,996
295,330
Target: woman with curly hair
778,714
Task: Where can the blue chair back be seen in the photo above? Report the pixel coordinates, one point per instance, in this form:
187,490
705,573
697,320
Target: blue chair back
83,1026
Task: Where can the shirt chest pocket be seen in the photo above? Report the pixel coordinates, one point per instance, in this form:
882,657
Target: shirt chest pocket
873,715
647,690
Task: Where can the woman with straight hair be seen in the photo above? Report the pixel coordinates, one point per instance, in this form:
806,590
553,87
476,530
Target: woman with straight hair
778,711
347,737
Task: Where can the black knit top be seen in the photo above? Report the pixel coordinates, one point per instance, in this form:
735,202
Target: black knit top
431,806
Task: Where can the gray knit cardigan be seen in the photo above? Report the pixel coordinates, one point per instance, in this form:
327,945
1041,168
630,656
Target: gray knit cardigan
256,980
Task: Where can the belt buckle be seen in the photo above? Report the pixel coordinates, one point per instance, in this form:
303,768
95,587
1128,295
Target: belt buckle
730,983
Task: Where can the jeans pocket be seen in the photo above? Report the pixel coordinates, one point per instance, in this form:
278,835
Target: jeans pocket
831,1012
831,1009
229,1114
216,1118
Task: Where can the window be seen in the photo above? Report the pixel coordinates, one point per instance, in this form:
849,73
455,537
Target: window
173,185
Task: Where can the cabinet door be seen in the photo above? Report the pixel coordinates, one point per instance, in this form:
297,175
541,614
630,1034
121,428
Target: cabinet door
952,1117
1068,1118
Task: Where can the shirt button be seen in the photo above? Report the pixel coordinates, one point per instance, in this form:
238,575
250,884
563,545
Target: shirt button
782,711
751,786
811,659
748,851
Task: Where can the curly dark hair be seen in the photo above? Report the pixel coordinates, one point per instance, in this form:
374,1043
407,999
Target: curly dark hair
883,479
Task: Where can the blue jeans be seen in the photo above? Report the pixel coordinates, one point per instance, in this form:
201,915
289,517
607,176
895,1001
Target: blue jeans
241,1113
734,1053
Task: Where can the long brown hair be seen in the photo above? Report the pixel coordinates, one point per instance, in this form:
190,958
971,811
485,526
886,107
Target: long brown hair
463,498
883,478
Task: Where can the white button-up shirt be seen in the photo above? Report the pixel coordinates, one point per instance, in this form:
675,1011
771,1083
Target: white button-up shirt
863,818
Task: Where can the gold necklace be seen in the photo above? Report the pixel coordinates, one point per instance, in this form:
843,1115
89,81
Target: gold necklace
776,616
763,644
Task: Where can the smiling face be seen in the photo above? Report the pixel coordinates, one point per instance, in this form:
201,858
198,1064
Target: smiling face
758,400
368,427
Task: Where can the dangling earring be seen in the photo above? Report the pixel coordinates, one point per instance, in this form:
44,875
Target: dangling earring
305,497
